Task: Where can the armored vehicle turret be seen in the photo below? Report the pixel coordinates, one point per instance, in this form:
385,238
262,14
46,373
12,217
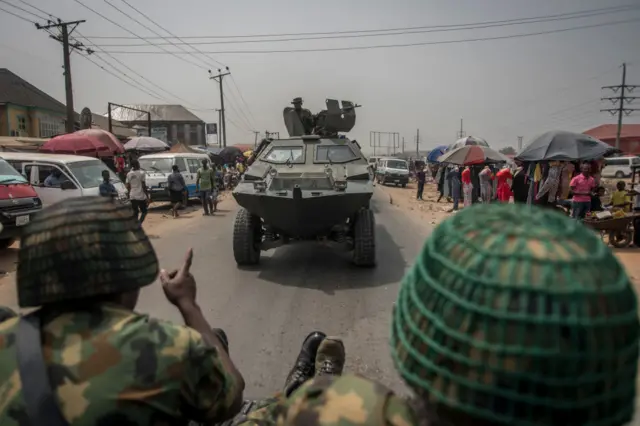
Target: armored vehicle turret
315,185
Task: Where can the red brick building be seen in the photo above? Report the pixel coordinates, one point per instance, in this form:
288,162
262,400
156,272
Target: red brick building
629,136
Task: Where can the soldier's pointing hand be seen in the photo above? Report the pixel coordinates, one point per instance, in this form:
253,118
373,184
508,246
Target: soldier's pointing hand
179,285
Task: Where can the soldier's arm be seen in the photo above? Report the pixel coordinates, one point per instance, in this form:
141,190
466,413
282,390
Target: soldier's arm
211,388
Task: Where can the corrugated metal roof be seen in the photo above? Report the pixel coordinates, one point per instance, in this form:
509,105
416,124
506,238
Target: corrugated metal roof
176,113
118,128
15,90
608,131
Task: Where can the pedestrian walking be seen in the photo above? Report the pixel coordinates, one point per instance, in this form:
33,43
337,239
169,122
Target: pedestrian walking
204,185
485,184
138,192
177,188
421,176
467,187
453,177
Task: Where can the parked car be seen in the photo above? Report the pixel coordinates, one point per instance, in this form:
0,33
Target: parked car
393,170
158,168
18,202
619,167
79,176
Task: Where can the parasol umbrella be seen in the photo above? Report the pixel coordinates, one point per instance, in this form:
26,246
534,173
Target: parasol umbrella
436,153
564,146
468,140
244,146
230,153
145,143
472,154
76,144
106,138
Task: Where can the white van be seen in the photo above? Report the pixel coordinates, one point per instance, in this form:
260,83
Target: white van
79,176
158,168
393,170
619,167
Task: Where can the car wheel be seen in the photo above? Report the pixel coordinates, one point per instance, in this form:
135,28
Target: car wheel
247,236
404,185
619,174
364,242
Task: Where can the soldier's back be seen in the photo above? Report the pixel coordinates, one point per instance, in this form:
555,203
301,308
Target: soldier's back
109,365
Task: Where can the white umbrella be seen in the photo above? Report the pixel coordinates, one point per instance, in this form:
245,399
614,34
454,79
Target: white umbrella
145,143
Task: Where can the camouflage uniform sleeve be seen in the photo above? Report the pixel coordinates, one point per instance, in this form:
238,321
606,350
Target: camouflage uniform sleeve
208,390
335,401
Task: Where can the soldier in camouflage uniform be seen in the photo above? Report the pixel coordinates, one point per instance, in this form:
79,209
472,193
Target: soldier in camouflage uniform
511,315
84,261
305,116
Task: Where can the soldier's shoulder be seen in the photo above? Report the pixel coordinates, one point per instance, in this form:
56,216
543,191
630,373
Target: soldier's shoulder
347,400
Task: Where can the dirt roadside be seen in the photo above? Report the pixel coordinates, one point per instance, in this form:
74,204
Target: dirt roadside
429,213
159,221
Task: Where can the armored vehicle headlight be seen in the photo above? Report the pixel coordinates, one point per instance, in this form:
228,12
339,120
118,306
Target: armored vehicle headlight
260,186
328,171
273,172
340,185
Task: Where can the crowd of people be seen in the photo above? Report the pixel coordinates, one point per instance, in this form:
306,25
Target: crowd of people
482,337
575,186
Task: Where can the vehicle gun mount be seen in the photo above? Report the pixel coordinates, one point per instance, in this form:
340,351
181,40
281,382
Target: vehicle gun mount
326,123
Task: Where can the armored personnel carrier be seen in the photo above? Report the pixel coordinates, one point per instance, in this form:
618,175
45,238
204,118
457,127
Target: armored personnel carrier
315,185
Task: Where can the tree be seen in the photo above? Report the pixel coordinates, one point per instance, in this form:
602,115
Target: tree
508,151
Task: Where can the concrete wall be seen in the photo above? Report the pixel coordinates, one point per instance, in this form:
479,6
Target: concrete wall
17,120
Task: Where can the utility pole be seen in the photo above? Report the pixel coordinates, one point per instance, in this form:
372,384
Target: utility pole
63,38
418,143
461,133
520,143
403,144
223,124
255,142
621,109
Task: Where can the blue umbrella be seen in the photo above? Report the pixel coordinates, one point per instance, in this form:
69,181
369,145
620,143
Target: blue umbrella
436,153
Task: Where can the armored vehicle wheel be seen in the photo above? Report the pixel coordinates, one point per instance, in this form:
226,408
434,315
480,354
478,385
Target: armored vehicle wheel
404,185
246,238
364,242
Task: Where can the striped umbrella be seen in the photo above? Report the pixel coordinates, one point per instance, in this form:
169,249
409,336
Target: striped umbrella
472,154
469,140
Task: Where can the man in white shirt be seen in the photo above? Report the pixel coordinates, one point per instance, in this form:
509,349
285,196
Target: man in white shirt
138,194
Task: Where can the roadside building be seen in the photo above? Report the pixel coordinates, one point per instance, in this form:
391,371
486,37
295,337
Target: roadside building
629,136
120,130
169,123
26,111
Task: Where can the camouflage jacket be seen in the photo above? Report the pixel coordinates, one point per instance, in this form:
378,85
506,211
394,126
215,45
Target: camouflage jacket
112,366
334,401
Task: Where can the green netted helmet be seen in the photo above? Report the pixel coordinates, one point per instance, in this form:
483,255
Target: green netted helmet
518,315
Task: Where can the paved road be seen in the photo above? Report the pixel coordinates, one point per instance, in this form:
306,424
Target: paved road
268,310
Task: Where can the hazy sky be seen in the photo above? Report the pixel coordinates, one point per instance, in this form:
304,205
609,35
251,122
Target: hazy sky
503,88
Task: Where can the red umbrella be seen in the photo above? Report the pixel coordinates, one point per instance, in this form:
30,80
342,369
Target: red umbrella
73,143
472,154
244,147
107,139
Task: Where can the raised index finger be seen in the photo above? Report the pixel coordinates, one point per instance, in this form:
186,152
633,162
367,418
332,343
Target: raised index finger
188,259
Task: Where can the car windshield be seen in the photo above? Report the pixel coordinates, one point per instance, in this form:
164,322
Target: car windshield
635,161
162,165
396,164
285,154
10,175
334,154
89,173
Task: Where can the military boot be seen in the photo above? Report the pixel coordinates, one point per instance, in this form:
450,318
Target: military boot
330,358
303,369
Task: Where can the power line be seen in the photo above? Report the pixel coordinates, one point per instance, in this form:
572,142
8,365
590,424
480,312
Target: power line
167,31
233,80
242,116
334,49
38,9
17,16
383,30
155,32
340,36
24,10
193,47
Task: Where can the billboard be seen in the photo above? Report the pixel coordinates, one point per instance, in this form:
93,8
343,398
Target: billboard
212,128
